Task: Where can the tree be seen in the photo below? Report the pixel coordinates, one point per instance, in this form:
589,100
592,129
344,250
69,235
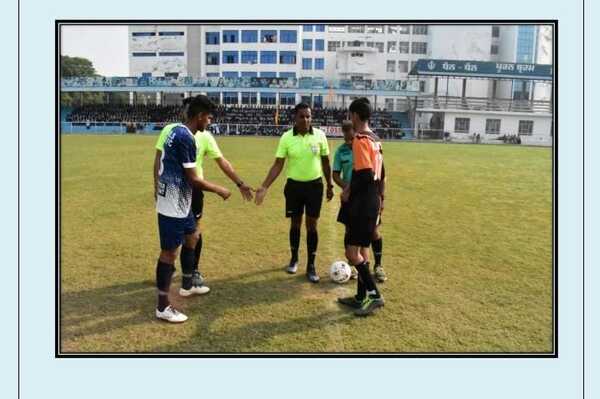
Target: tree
78,67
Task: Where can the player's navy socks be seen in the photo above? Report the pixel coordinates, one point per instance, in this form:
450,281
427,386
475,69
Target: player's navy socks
294,243
361,290
187,267
377,246
164,271
312,241
365,275
197,252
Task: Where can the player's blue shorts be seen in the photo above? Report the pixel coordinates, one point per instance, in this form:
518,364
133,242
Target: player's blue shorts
172,230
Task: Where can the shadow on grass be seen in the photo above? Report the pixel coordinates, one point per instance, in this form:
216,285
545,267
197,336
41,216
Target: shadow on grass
123,306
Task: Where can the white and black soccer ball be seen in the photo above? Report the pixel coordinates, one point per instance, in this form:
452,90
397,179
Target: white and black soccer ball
340,271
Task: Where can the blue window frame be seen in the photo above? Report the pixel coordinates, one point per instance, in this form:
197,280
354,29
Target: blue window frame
230,57
249,36
230,74
267,98
249,57
319,63
287,74
307,63
307,28
317,101
268,74
249,74
212,37
287,57
287,98
307,44
171,33
230,97
319,45
230,36
135,34
248,98
171,54
288,36
146,74
212,74
143,54
212,58
268,36
319,28
268,57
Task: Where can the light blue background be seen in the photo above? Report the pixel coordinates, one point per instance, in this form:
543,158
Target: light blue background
46,377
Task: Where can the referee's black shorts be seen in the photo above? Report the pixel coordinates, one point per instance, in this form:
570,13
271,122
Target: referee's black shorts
197,203
363,218
300,195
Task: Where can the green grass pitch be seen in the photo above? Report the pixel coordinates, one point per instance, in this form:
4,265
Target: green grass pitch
467,247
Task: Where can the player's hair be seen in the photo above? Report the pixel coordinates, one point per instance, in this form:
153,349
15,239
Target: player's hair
346,126
362,108
300,106
197,105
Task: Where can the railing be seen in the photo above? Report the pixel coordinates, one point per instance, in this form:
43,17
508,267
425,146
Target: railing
483,104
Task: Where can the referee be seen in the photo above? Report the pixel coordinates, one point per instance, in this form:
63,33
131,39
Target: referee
307,152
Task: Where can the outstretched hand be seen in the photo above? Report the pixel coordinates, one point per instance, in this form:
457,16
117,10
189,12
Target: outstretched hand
246,192
260,195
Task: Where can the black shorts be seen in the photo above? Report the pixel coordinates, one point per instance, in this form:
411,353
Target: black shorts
344,214
300,195
197,203
363,218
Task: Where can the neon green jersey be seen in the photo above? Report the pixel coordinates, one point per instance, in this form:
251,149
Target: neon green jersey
303,153
205,145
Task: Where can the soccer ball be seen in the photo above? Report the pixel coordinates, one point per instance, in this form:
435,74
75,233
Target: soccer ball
340,271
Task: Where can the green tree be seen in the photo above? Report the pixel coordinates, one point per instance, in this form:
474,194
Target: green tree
79,67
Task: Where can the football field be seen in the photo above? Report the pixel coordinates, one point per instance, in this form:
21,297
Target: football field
467,238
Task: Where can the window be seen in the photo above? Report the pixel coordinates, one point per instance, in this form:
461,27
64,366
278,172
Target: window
392,47
288,36
357,54
230,57
268,57
495,31
356,29
267,98
461,125
333,45
419,29
422,86
389,104
170,74
319,64
287,57
525,128
146,74
492,126
249,36
249,57
307,28
419,47
319,28
143,54
380,46
306,64
403,66
318,101
212,37
268,36
287,98
212,75
494,49
391,66
268,74
212,58
355,43
230,36
248,98
319,45
171,54
392,29
404,29
230,97
230,75
375,29
403,47
307,44
336,29
170,33
137,34
287,75
249,75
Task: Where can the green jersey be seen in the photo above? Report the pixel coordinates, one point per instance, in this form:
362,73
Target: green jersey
342,162
303,153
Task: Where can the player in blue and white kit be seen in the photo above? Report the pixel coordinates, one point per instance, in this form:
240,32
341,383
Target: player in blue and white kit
177,177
